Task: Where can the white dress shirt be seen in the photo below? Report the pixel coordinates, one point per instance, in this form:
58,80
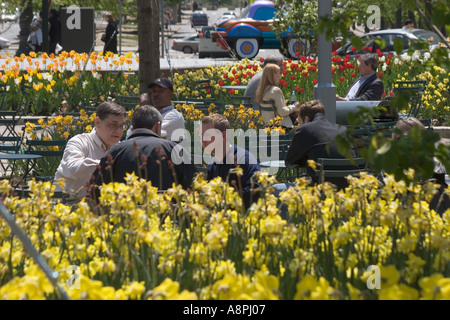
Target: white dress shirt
81,156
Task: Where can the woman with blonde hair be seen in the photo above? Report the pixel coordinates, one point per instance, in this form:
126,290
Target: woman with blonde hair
268,90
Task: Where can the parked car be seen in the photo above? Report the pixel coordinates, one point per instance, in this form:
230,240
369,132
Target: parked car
187,44
225,16
389,36
209,48
4,43
199,18
253,31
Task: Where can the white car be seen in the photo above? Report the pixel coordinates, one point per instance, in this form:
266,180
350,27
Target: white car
225,16
209,48
4,43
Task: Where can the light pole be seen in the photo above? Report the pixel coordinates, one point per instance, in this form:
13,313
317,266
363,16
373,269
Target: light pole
161,13
120,27
44,25
325,91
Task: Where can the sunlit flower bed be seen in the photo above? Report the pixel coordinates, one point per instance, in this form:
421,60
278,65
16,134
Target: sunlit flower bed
72,81
141,244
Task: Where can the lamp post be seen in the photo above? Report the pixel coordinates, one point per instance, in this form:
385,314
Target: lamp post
45,6
325,91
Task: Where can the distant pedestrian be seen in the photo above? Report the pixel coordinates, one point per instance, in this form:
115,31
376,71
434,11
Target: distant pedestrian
35,38
110,37
408,25
54,33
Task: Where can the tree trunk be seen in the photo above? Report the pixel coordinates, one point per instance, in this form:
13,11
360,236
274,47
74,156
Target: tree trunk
25,19
148,37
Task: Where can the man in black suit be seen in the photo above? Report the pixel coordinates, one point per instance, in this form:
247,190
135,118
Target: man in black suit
314,139
368,86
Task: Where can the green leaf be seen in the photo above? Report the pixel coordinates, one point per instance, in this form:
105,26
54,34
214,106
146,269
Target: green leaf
398,45
440,16
357,42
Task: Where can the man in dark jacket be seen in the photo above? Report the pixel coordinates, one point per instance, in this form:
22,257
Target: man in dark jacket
54,32
158,160
229,156
314,139
368,86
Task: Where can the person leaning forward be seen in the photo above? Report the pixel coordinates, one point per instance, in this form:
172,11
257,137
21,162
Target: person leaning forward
165,161
314,139
84,151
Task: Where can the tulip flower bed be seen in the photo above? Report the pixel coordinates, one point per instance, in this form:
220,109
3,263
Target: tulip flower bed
141,244
72,81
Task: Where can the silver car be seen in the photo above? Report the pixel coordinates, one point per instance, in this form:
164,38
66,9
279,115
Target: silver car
187,44
389,36
4,43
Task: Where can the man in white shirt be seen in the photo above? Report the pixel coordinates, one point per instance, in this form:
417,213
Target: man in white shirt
408,25
84,151
173,120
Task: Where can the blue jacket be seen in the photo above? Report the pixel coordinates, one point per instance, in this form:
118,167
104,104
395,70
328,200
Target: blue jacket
247,162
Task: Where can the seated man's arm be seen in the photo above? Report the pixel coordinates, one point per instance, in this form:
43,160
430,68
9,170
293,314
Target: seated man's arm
373,92
171,122
75,164
249,171
296,155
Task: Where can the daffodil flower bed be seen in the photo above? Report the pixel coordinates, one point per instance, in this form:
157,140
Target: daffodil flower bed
201,244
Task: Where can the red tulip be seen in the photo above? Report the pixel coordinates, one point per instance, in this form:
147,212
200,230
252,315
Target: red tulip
353,74
341,79
334,53
302,90
297,53
292,77
315,81
297,88
261,59
238,82
225,76
380,74
220,83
